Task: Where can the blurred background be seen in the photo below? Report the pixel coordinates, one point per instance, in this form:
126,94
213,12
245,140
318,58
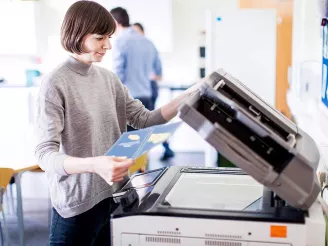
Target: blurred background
277,48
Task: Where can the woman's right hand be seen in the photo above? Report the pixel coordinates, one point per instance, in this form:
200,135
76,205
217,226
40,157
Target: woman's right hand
111,168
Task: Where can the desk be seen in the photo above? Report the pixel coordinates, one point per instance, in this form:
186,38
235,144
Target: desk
173,87
19,168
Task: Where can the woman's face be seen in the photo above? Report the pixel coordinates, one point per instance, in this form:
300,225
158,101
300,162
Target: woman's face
94,48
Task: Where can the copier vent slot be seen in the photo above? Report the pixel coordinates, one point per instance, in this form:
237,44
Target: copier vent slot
232,95
265,147
221,236
166,240
222,243
169,232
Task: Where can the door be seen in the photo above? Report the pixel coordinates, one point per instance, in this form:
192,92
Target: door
243,43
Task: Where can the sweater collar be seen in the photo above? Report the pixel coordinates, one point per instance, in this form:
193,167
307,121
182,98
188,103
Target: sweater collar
77,66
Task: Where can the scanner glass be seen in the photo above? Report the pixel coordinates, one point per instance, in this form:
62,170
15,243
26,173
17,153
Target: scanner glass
212,191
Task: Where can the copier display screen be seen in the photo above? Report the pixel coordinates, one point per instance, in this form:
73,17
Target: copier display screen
143,180
213,191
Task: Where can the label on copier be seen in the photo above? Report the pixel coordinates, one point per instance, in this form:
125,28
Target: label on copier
278,231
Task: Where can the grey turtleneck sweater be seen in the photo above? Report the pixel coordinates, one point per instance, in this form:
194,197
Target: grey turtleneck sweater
83,109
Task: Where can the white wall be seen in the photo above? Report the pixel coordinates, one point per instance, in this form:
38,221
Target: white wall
47,19
307,43
310,114
18,39
18,28
180,66
306,30
156,18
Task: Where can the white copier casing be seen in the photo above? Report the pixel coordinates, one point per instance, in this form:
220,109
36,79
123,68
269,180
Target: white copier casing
269,200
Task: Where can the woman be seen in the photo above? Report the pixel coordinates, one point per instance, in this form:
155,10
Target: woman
84,109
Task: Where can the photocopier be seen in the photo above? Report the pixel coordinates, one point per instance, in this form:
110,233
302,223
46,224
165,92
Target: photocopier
270,199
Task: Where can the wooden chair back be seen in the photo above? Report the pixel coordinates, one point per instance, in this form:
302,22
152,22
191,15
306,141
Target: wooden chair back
5,176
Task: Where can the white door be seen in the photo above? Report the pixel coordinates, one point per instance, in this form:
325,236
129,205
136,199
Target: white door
243,43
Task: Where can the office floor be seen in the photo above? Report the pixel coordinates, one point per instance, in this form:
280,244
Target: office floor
36,204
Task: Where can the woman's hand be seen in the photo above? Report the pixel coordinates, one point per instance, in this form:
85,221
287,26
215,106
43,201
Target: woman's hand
195,87
170,110
111,168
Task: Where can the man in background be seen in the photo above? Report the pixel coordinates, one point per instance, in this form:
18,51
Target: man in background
135,58
155,76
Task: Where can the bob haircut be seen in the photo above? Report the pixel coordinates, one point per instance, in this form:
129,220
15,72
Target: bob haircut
83,18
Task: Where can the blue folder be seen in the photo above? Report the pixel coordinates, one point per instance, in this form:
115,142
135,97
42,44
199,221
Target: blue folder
136,143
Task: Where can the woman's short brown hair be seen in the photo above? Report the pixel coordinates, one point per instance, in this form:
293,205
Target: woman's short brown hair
83,18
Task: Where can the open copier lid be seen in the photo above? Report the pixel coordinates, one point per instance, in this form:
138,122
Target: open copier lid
255,137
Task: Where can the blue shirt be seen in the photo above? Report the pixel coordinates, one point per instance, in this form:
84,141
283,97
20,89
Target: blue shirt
134,59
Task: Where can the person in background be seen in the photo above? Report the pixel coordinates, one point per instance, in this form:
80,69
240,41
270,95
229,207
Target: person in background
155,76
82,111
134,59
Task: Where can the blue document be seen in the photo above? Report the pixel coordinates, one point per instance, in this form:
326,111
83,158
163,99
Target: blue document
136,143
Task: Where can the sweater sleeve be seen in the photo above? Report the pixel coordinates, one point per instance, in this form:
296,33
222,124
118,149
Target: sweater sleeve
50,124
137,115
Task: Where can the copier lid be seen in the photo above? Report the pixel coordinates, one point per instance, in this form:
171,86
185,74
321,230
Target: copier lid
255,137
213,191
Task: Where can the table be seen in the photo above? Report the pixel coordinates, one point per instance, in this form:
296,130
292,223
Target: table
173,87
